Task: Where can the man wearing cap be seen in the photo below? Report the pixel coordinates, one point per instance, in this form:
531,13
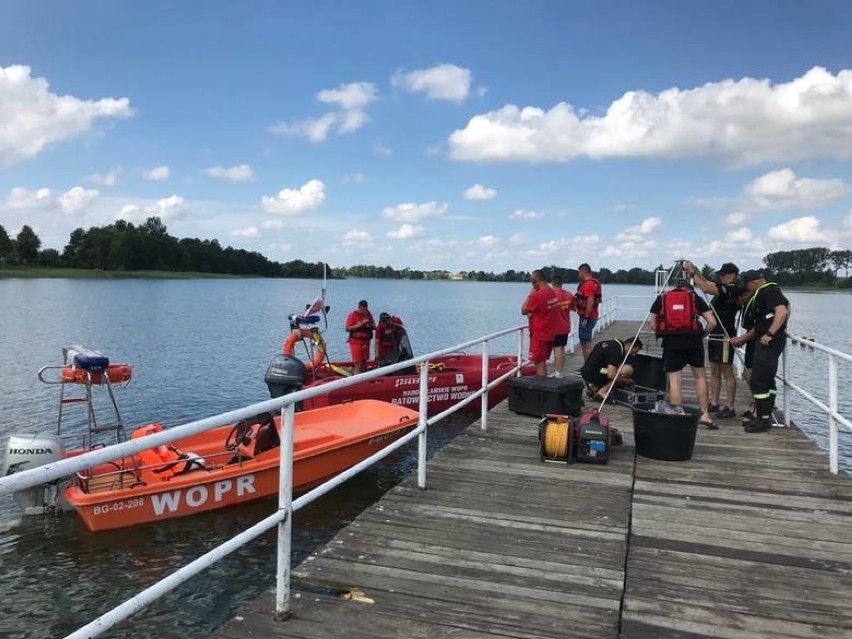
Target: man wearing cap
360,324
767,311
719,350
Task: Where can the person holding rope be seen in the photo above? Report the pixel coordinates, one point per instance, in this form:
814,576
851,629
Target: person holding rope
768,311
719,350
675,316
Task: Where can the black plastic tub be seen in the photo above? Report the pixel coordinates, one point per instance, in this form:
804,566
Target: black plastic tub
663,436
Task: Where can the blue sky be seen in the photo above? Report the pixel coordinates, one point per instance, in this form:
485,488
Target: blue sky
456,135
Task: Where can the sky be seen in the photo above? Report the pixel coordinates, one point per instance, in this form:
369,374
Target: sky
463,135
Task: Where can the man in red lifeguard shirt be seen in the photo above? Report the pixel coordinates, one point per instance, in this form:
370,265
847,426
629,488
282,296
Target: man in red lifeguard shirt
540,306
562,325
360,325
587,299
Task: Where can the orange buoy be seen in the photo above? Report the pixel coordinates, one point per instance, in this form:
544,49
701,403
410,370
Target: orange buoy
319,345
114,373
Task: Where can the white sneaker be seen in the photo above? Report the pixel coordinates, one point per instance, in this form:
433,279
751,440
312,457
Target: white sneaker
557,375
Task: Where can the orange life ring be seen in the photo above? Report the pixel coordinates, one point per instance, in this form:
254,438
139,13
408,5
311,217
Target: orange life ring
319,345
115,373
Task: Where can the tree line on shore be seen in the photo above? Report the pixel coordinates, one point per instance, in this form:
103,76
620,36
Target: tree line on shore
125,247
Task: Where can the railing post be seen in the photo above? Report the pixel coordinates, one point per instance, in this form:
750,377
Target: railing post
285,502
832,404
421,439
787,420
483,415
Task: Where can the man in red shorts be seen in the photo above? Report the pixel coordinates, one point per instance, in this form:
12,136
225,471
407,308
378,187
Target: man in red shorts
564,305
540,307
360,326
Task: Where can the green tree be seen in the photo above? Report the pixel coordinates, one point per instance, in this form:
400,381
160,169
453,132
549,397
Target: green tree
27,245
6,245
841,260
49,257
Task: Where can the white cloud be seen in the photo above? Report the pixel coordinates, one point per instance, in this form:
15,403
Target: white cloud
746,121
565,246
21,198
351,98
355,178
517,238
413,213
524,215
77,199
356,237
314,129
479,192
108,179
294,201
648,225
130,212
635,234
382,151
406,231
158,173
167,209
799,230
782,190
32,118
488,240
238,173
441,82
248,232
737,218
741,235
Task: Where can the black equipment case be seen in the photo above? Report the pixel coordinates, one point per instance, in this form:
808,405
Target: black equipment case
650,381
536,395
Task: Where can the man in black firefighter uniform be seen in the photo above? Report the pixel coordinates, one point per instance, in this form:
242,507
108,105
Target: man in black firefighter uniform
767,311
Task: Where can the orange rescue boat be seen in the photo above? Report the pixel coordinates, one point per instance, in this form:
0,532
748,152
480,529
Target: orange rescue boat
233,464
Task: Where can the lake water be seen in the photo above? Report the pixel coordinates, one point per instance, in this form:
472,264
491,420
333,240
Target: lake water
200,347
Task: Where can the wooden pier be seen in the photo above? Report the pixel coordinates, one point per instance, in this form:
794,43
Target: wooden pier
751,538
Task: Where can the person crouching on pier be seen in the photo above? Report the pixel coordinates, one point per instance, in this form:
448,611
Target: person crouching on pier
601,367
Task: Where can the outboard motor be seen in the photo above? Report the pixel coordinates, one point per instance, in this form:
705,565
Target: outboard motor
285,374
28,451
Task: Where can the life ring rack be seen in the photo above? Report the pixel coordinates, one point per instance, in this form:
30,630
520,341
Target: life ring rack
70,374
300,334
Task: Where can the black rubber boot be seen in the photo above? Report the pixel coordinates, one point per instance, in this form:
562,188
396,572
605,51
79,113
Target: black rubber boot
763,416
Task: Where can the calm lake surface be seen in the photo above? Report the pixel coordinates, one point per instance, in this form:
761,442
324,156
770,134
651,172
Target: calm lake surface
200,347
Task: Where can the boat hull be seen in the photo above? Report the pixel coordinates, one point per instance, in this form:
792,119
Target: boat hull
327,441
451,379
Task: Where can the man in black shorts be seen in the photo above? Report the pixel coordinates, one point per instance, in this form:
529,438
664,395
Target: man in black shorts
675,317
719,350
600,368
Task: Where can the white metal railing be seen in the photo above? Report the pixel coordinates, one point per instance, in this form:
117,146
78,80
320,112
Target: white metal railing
282,518
834,418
